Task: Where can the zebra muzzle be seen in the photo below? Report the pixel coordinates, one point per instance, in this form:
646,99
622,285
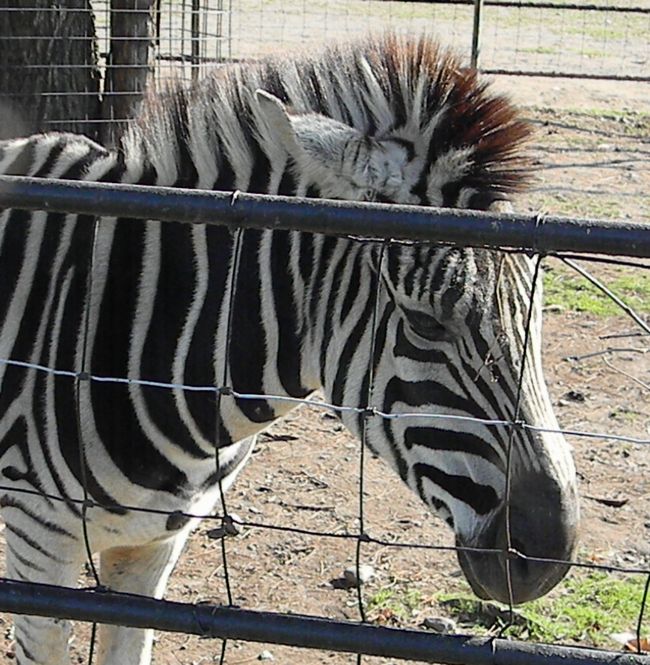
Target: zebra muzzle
524,551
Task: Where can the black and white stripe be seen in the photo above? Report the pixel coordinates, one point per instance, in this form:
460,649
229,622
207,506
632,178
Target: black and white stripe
390,120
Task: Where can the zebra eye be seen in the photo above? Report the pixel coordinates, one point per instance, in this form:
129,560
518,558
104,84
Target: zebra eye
426,326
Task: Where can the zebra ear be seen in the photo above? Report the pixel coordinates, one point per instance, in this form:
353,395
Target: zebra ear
310,135
277,118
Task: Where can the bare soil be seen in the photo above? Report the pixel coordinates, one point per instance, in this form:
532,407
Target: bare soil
305,471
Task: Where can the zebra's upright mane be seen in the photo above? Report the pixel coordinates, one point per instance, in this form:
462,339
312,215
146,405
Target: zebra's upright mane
406,89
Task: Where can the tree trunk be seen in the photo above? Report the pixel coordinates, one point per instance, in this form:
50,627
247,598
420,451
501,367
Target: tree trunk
129,63
49,78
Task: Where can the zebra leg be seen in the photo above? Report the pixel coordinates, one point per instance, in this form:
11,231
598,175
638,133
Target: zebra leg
142,570
41,640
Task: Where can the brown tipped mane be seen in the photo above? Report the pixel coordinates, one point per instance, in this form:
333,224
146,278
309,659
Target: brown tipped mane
415,86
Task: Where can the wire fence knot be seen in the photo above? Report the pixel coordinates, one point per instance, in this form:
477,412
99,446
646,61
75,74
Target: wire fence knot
517,425
512,554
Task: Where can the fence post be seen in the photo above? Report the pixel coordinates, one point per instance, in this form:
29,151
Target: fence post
129,64
196,38
476,30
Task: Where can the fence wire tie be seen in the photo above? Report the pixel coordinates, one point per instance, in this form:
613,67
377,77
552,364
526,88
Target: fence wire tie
512,553
205,632
540,220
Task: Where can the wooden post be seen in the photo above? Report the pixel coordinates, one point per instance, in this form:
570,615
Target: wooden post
129,63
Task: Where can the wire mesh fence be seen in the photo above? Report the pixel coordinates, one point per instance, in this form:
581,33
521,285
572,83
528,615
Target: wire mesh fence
329,535
522,233
550,39
83,66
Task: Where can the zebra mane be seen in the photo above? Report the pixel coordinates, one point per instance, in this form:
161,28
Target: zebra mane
386,87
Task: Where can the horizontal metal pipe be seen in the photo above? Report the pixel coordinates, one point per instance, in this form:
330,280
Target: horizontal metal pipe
535,4
462,227
290,630
624,78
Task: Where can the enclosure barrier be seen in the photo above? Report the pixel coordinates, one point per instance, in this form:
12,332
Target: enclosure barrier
292,630
534,233
477,21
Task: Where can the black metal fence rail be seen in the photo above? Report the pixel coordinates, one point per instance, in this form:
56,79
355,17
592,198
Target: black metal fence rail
292,630
533,4
535,233
623,78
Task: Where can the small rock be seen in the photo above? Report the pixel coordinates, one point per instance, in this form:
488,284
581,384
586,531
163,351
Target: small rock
365,574
623,638
575,396
266,655
441,625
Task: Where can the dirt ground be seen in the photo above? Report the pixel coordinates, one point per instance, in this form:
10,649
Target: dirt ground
593,152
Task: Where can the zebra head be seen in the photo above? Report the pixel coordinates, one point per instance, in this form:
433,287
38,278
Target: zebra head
465,333
461,344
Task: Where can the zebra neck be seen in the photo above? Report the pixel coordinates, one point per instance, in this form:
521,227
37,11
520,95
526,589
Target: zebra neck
340,302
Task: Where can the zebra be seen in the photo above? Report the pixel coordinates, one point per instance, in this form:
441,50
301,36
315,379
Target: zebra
388,119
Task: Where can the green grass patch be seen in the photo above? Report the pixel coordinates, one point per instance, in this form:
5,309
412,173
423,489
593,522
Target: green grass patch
393,603
541,50
587,609
570,291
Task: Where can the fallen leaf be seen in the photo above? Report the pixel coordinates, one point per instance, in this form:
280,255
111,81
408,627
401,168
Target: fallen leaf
642,645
